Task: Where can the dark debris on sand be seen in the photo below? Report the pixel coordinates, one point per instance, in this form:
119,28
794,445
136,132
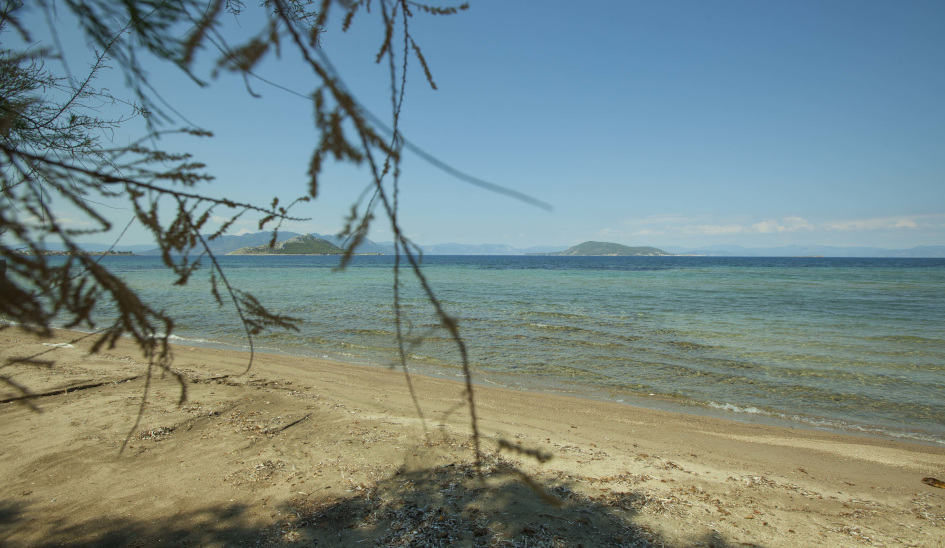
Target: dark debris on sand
454,505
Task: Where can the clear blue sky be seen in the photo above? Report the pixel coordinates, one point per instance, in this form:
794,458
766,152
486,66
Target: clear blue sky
643,123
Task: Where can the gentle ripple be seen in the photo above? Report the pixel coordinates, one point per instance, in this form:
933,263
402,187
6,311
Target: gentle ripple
848,343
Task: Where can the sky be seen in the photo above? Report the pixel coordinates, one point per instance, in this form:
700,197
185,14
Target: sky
673,123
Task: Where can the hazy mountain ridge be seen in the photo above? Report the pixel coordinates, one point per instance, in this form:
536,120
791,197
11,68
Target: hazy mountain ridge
224,245
227,244
918,252
484,249
366,245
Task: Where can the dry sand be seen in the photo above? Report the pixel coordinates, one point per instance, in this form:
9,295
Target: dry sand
301,452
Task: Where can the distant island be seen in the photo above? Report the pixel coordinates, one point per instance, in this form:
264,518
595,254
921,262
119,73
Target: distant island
223,245
607,249
304,244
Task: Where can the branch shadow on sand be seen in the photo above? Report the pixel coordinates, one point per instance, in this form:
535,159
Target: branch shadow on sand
453,505
220,525
444,505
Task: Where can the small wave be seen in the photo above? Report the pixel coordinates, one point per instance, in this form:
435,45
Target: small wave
738,409
596,344
380,332
191,339
686,345
863,429
59,345
906,339
550,314
554,327
832,424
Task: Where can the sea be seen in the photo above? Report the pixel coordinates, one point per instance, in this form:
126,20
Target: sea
846,344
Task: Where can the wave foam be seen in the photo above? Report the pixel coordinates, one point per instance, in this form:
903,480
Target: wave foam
738,409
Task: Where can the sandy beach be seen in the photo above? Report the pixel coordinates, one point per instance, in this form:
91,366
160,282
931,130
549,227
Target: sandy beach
302,452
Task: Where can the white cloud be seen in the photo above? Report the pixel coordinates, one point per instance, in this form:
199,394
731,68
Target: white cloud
65,220
69,221
884,223
793,224
785,225
705,225
768,227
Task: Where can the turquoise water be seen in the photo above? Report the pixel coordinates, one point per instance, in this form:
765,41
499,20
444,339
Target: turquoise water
855,344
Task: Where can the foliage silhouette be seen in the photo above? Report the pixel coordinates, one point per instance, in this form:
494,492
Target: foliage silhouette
54,147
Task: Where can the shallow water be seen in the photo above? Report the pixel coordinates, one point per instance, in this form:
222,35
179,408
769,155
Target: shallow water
855,344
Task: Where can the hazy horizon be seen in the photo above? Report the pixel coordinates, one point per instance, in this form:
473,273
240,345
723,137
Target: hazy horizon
720,247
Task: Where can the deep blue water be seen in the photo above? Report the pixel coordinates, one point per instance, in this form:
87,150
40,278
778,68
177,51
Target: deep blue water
851,343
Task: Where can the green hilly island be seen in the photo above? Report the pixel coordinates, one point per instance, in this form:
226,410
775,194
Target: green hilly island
590,249
306,244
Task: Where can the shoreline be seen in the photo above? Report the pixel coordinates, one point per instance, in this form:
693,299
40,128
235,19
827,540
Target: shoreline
301,450
518,382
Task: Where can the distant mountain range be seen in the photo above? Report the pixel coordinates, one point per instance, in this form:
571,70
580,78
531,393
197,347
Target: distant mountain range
228,244
925,251
485,249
